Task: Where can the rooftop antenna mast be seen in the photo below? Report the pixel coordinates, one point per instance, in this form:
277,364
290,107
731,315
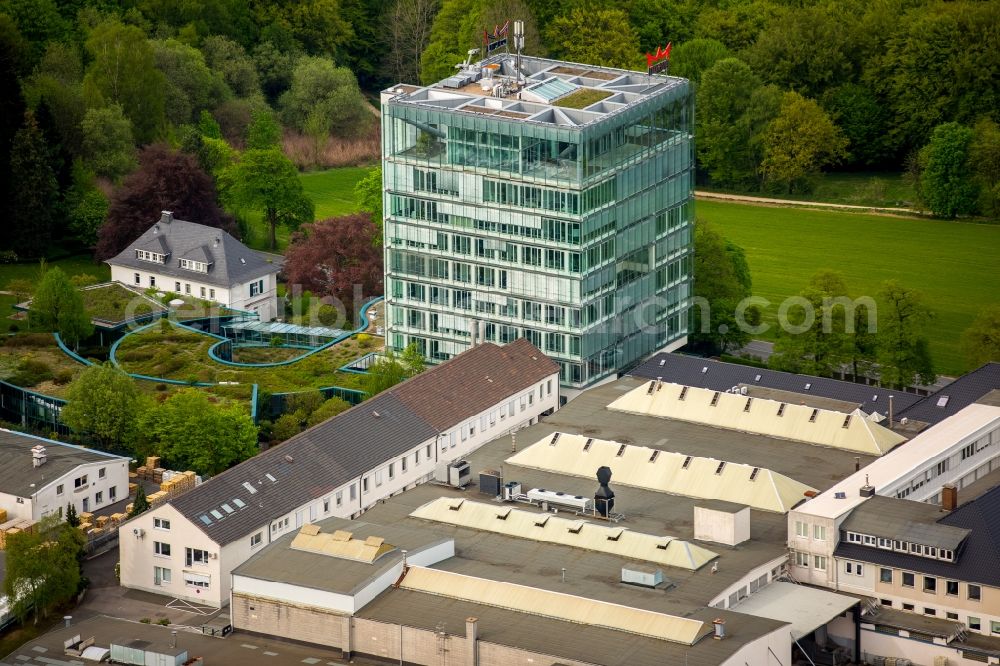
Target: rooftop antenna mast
518,47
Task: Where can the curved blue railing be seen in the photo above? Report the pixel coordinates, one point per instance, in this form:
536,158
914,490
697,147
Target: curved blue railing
362,327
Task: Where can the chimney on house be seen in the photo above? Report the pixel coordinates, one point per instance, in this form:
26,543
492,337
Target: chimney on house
38,456
949,497
166,217
471,641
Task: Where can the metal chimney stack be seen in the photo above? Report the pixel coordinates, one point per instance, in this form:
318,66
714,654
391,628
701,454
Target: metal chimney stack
604,498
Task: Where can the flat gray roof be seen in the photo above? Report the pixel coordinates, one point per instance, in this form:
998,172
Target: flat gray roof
246,650
279,562
598,575
561,639
19,476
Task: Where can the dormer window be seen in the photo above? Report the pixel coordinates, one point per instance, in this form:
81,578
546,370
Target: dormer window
198,266
145,255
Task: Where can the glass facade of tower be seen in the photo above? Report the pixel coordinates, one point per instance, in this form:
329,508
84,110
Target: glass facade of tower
572,229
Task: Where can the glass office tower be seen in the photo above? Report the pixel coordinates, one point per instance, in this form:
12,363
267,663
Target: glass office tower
551,202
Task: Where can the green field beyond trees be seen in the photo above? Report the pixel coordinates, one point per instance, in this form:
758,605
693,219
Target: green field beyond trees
954,264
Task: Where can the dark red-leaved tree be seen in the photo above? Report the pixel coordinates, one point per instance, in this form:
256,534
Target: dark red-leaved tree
331,256
165,180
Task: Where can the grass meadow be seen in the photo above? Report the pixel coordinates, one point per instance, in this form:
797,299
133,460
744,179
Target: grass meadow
954,264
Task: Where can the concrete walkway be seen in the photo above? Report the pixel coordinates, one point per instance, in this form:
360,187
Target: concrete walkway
768,201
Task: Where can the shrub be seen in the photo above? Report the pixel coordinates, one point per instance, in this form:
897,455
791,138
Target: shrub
31,372
327,315
30,340
365,340
161,387
145,620
163,621
276,340
63,376
8,257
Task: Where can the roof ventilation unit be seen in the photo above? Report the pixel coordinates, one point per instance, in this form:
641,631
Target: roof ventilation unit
604,498
490,482
867,490
634,574
457,474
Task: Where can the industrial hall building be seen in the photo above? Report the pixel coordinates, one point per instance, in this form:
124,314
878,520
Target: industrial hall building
527,197
404,436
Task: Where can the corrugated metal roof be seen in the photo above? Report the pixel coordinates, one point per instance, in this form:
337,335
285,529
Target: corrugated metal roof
734,411
557,605
613,540
720,376
664,471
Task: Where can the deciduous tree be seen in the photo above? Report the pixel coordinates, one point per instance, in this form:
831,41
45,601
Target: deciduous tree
267,181
595,36
58,306
392,368
823,347
721,281
263,132
321,90
336,256
108,147
946,182
103,401
408,27
190,85
123,71
369,193
799,143
190,432
230,60
691,58
981,341
903,353
42,567
166,180
984,163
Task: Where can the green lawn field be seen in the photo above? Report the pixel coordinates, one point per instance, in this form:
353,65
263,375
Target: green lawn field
955,265
332,193
881,189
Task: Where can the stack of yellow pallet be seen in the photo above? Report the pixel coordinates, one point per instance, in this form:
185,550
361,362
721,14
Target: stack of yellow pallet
132,488
3,516
152,462
86,517
12,527
117,518
84,527
128,507
178,483
102,521
157,498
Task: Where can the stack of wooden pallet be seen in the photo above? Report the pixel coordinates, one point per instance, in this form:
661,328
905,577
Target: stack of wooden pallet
11,527
175,483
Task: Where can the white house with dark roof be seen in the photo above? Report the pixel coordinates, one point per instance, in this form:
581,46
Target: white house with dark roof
204,262
188,547
40,476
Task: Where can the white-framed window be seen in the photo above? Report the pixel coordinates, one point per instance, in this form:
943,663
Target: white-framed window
951,588
198,580
161,576
974,593
853,537
194,556
138,278
59,489
364,484
975,623
161,524
256,287
99,497
211,294
340,497
177,287
80,481
930,584
203,292
854,568
152,280
868,540
819,562
378,477
801,529
819,532
101,473
190,265
428,451
161,549
392,471
256,539
908,579
801,559
112,493
187,288
416,457
326,505
885,575
354,492
402,464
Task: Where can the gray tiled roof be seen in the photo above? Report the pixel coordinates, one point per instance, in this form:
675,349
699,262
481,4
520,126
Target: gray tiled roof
17,472
231,262
961,393
342,448
720,376
904,520
978,558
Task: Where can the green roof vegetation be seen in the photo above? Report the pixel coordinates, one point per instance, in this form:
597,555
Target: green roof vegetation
171,352
114,303
581,98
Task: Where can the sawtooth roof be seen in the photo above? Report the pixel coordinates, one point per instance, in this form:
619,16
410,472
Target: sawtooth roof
721,376
230,261
664,471
574,532
326,456
852,431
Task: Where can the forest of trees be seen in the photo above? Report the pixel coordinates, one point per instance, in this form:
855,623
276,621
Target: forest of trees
785,90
